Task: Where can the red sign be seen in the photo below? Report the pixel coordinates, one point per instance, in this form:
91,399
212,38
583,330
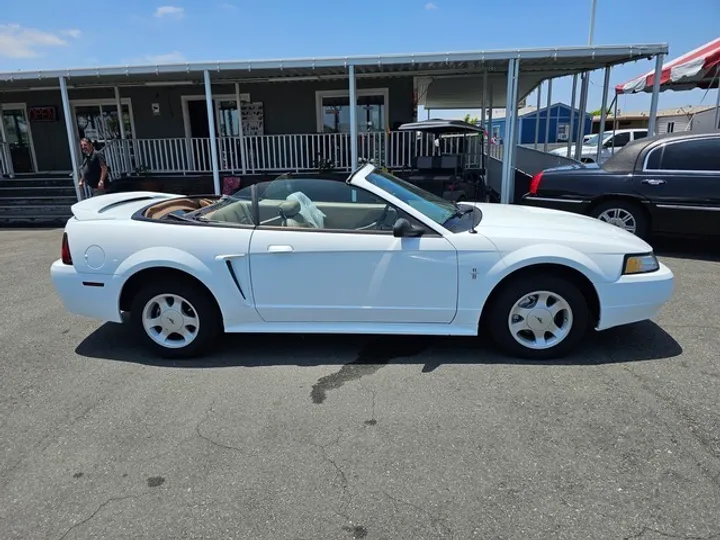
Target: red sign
43,114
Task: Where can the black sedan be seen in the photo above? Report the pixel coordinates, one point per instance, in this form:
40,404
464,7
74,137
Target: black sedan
667,184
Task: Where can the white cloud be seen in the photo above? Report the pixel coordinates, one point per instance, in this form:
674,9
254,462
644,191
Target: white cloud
228,6
174,57
431,5
20,42
170,11
72,32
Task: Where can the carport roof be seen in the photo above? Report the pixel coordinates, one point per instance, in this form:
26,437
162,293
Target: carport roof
535,65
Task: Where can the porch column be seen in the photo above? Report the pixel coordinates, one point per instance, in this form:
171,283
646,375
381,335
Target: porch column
655,95
547,116
124,148
584,84
213,138
72,142
537,116
4,149
572,116
508,171
603,111
490,127
481,149
353,119
241,134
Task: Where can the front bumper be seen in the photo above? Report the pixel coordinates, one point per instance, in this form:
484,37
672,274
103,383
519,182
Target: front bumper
96,296
634,298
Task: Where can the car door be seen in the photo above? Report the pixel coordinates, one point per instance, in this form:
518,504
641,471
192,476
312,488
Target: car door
614,144
681,178
342,273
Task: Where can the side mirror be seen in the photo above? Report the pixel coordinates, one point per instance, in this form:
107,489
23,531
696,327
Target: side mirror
404,229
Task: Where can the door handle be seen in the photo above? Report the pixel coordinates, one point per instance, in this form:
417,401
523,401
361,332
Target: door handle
653,181
280,249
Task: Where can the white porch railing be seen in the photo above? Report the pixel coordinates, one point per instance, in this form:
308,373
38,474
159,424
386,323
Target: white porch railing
281,153
5,159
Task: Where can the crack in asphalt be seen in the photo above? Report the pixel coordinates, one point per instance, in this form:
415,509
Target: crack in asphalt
212,441
97,511
438,523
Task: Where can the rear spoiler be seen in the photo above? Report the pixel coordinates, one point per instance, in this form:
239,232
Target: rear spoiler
94,207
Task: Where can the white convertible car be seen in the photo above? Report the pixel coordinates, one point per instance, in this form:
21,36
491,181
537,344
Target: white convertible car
372,255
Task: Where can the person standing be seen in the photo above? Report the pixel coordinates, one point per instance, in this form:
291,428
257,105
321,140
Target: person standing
94,169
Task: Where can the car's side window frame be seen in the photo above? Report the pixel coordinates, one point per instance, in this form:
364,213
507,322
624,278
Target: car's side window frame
661,148
400,213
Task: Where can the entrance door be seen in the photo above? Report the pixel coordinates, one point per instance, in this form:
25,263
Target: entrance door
19,140
200,134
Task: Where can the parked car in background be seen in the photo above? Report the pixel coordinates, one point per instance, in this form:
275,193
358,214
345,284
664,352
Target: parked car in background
668,184
611,144
394,259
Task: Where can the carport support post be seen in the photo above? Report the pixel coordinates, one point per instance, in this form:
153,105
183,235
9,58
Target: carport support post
603,112
124,149
508,171
537,116
213,139
71,136
584,84
655,95
352,94
547,116
572,116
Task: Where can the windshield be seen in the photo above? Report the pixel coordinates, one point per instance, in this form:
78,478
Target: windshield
432,206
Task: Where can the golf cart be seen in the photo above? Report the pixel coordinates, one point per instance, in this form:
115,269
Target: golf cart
455,166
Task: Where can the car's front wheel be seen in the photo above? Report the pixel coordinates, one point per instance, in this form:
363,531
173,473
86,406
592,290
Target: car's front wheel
539,317
176,318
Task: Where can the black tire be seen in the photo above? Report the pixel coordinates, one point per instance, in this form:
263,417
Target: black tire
634,209
205,309
498,319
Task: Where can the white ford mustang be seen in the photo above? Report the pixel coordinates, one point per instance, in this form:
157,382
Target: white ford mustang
372,255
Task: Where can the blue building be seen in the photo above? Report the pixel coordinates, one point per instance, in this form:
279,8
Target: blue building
559,124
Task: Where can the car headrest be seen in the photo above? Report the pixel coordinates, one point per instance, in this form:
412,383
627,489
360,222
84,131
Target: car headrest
289,208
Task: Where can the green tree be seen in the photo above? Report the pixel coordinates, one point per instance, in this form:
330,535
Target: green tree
470,119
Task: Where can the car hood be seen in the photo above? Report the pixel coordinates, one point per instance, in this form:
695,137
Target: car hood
512,226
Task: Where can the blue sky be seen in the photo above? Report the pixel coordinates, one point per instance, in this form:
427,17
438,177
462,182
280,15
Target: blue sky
40,34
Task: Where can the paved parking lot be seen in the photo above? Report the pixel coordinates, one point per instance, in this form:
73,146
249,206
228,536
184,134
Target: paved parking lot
342,437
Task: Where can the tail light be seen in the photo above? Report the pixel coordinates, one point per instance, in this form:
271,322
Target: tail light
535,183
65,250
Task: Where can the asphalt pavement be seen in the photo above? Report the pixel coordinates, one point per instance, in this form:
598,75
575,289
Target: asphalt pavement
346,437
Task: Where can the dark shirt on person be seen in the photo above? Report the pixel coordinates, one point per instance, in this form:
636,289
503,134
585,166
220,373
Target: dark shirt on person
92,168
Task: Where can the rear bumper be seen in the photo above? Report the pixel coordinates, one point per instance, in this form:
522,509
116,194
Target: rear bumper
634,298
95,296
574,206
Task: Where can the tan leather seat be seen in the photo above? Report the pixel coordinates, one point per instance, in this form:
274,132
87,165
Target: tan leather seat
237,212
291,217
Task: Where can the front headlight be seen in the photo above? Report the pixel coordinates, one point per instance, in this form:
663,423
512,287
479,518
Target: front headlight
640,264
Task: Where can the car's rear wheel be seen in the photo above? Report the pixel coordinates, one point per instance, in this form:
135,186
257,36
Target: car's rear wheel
539,317
176,318
624,214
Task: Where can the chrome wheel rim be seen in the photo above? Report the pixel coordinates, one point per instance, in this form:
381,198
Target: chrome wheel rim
170,321
540,320
620,218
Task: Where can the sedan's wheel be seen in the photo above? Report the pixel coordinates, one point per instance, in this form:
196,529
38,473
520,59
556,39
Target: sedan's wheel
539,317
622,214
176,318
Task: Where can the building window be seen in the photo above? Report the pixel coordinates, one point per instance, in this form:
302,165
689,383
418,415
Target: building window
334,111
99,121
671,127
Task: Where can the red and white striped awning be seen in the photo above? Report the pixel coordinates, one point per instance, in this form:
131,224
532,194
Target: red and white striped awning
697,69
